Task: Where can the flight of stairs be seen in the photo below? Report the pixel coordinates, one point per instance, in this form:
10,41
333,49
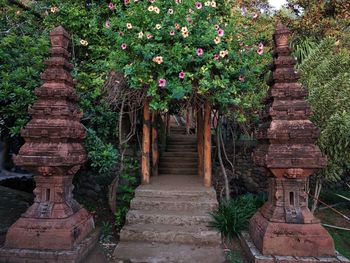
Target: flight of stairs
180,157
168,218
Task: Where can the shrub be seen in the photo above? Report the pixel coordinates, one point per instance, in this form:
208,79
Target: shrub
232,216
102,156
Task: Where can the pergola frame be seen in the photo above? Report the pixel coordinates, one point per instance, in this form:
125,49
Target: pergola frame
150,146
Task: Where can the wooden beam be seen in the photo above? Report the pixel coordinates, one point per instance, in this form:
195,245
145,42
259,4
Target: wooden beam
146,144
200,140
155,150
207,144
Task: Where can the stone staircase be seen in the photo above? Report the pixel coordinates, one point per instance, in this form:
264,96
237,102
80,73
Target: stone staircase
168,218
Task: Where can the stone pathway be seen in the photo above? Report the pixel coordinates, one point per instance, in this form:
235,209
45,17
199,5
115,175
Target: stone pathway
168,218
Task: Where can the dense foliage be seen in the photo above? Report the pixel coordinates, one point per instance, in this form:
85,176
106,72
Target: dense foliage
22,51
24,44
188,50
325,73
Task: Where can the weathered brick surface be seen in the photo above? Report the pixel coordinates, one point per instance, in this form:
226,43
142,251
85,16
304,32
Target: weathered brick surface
284,226
53,152
76,254
253,255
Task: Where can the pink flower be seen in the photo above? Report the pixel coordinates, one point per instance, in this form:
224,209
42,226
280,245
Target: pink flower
172,33
182,75
108,24
198,5
261,46
126,2
123,46
111,6
254,15
162,83
260,51
199,52
241,78
149,36
216,56
220,32
189,20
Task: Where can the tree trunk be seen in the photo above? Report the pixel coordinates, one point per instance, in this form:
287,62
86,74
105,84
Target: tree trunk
155,152
200,141
207,144
223,169
146,144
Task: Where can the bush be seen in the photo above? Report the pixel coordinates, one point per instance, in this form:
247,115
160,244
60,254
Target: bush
232,216
102,156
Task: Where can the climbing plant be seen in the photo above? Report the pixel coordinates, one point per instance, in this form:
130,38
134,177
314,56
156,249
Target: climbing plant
187,50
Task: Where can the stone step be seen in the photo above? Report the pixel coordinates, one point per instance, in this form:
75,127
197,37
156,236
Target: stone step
176,194
175,137
178,170
197,235
182,142
137,252
171,204
182,145
172,164
179,159
167,217
180,154
182,150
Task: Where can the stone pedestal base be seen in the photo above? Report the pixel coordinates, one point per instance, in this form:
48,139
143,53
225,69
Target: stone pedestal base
253,255
74,255
283,239
50,233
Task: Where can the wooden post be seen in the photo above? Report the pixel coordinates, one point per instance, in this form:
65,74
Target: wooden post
155,152
188,120
200,140
146,144
207,144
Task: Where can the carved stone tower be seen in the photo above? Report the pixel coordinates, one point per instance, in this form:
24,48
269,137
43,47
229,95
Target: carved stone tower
53,152
284,226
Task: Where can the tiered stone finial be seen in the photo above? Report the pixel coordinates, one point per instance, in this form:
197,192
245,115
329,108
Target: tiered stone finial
54,152
284,226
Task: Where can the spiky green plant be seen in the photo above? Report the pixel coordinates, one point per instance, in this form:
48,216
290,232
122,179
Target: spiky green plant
233,216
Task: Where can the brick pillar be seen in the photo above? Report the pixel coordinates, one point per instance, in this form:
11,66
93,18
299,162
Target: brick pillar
284,226
53,152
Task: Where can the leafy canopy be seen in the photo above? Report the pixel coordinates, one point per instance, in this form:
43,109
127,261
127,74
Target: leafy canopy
183,50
